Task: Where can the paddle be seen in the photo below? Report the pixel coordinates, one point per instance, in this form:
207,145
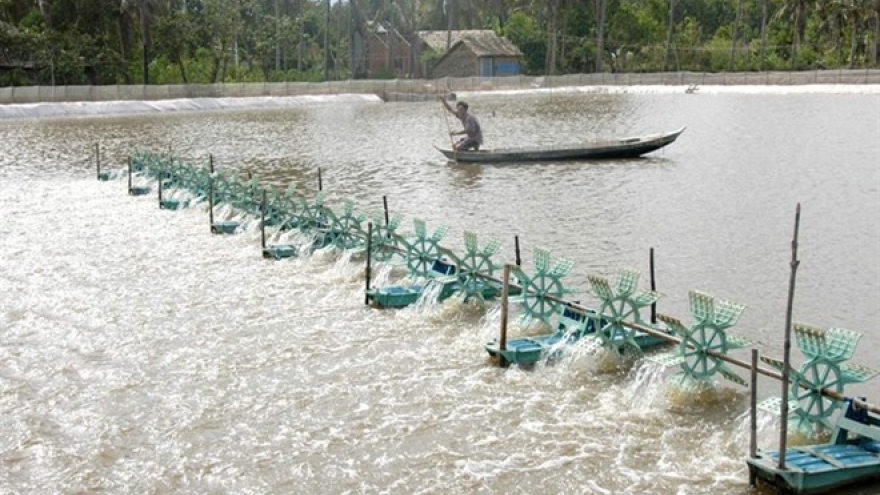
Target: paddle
449,128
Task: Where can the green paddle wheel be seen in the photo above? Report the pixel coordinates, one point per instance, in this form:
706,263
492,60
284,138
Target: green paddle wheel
312,214
173,177
274,208
197,181
248,197
223,187
703,342
423,251
314,219
384,243
542,292
473,266
620,305
289,208
345,231
825,369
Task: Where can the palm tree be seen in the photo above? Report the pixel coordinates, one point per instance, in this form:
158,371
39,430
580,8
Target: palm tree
858,12
669,25
600,35
763,32
797,10
277,35
45,11
407,24
834,17
146,21
874,10
146,9
735,35
552,36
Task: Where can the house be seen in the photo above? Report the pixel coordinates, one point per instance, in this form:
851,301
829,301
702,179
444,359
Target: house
471,53
388,53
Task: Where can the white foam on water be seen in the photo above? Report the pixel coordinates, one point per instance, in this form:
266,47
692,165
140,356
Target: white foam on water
162,358
126,107
868,89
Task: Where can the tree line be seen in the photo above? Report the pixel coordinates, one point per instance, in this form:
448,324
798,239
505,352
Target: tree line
68,42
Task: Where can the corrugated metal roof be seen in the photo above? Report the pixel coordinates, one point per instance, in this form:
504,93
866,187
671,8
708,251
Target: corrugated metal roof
484,42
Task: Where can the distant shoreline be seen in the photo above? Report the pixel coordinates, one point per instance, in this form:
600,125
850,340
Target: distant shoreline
420,89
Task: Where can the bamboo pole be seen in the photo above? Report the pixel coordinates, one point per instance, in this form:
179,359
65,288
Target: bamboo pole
263,221
786,346
211,205
369,260
581,309
129,174
653,285
320,182
753,415
161,180
516,250
505,290
98,159
385,207
449,129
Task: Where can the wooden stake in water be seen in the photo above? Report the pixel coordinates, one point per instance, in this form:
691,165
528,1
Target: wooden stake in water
369,259
753,416
516,250
505,290
263,221
385,206
211,162
161,180
129,174
211,205
786,347
98,160
320,182
653,286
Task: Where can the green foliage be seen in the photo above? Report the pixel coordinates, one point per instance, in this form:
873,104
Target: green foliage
430,57
522,30
382,73
199,41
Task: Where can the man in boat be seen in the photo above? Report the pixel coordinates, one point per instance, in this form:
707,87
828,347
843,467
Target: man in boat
472,131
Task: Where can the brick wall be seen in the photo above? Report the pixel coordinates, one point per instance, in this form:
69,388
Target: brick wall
377,55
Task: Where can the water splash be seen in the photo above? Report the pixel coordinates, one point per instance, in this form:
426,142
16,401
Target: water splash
98,108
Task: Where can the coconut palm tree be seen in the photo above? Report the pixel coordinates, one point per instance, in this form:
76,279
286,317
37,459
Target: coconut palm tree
797,11
834,17
45,11
874,15
145,10
763,32
601,6
735,35
669,25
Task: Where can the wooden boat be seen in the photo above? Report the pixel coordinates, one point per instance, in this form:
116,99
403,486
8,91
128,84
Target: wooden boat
630,147
851,457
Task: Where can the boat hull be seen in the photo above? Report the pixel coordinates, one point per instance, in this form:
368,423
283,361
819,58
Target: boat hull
598,150
851,458
806,474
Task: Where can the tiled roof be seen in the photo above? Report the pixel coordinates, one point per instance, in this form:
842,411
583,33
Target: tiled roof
484,42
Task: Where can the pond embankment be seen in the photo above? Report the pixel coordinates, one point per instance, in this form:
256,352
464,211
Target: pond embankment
421,89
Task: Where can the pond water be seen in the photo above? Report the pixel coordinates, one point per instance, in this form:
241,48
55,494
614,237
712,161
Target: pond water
140,354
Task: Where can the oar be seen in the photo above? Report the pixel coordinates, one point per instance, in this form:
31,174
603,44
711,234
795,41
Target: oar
449,128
